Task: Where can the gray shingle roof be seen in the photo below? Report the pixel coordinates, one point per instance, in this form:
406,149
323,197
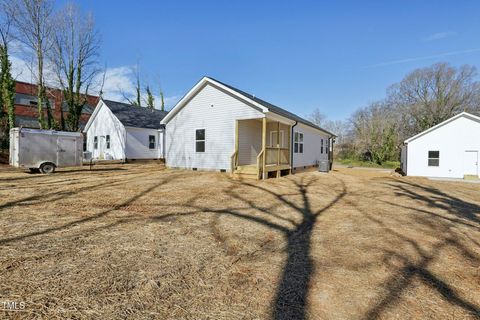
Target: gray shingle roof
139,117
273,108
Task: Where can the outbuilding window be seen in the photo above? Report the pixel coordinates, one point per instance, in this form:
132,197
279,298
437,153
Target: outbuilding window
433,158
95,142
321,146
107,141
298,142
200,140
151,142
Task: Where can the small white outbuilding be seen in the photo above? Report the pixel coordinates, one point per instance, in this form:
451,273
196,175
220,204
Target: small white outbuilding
447,150
120,131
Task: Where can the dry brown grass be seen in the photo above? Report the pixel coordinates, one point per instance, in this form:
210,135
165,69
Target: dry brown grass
139,241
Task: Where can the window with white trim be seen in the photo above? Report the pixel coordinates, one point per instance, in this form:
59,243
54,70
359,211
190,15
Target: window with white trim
151,142
321,146
107,141
298,143
95,142
433,158
200,140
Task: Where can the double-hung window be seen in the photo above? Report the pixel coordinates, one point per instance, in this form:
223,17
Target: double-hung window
95,142
433,158
107,141
298,143
200,140
151,142
321,146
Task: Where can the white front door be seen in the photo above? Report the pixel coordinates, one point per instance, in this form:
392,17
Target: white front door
470,163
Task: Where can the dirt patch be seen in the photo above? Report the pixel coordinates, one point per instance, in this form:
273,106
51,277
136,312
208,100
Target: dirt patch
140,241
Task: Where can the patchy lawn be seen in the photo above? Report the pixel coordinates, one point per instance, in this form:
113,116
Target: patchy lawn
139,241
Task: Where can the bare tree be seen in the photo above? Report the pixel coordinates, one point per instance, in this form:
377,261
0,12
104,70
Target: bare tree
32,22
162,100
431,95
137,99
150,100
74,57
375,132
316,117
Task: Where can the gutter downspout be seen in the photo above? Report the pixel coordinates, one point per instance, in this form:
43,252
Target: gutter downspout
292,147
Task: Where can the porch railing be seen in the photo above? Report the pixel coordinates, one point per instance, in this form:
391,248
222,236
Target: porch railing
260,168
233,161
277,156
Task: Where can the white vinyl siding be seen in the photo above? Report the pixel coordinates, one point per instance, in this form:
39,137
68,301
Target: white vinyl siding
216,112
130,143
451,140
106,124
311,146
138,143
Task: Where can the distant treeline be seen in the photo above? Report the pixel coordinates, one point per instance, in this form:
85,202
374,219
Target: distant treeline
424,98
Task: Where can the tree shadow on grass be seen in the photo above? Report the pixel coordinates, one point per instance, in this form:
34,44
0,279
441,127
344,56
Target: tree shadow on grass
89,218
292,291
418,269
438,199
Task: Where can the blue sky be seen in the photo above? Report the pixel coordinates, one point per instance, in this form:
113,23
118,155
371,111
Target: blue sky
334,55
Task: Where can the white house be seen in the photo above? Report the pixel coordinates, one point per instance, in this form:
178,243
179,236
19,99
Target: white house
449,149
218,127
120,131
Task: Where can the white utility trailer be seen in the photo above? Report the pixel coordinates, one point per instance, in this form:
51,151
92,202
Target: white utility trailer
45,150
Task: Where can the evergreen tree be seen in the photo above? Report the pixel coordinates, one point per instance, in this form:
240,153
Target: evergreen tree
7,87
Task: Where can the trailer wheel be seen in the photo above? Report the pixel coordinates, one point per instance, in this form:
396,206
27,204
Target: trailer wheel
47,168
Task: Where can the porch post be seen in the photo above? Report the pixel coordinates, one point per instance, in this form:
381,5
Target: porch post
278,148
236,144
264,145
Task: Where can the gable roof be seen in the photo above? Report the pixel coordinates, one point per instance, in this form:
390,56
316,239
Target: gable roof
262,104
131,116
460,115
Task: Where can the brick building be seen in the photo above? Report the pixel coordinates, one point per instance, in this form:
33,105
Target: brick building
26,111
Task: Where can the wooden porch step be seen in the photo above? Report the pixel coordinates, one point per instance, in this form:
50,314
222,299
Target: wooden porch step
244,176
246,169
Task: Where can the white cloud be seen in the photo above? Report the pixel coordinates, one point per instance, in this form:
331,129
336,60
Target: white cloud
119,81
441,55
440,35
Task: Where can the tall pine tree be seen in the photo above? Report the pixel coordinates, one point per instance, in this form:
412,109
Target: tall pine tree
7,86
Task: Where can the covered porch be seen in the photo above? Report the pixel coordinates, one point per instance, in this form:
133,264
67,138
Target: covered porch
262,148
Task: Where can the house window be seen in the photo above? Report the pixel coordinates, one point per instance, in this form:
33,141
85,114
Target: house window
433,158
321,146
200,140
95,142
298,142
151,142
107,141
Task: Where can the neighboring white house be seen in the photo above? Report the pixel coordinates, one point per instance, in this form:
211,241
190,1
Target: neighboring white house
120,131
218,127
449,149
